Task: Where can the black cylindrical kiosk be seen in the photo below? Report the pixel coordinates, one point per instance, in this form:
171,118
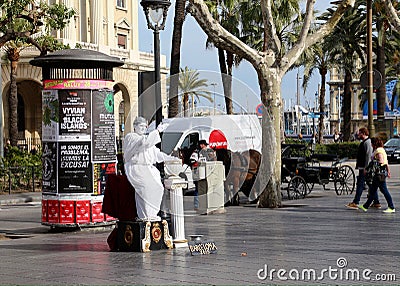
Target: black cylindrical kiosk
78,135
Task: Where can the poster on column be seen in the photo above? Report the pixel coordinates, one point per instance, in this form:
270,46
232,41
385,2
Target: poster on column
49,176
103,126
74,167
74,114
100,174
50,116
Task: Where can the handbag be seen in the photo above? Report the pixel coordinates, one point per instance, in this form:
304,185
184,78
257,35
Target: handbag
374,171
382,173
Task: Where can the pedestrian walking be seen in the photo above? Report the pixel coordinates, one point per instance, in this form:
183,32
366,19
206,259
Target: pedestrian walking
379,180
364,155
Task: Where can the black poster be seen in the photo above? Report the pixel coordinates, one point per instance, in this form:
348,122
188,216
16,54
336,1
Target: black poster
103,126
74,114
49,177
74,167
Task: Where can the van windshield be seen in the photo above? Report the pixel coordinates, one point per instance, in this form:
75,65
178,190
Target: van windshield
169,141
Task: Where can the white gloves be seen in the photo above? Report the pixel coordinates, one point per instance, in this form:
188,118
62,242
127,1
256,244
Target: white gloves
162,126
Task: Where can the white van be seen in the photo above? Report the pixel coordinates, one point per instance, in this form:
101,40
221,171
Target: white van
233,132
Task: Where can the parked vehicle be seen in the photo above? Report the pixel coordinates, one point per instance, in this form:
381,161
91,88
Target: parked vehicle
236,133
392,148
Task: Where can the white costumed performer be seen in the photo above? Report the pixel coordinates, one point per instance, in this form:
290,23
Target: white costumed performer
140,155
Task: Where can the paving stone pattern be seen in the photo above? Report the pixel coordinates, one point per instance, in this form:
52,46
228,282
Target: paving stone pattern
313,233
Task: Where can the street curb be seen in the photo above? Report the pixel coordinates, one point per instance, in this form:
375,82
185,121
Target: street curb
19,198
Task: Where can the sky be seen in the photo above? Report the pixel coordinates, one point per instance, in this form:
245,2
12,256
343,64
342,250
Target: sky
195,56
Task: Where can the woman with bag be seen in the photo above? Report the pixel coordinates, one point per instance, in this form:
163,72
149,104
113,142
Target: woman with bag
379,179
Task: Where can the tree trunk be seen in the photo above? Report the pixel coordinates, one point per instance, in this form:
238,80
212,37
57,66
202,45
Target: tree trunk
13,56
226,80
347,105
323,72
176,57
185,104
380,63
228,84
269,184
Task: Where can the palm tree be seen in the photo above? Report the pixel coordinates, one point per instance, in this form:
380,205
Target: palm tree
382,25
13,56
226,12
317,58
191,86
176,57
349,42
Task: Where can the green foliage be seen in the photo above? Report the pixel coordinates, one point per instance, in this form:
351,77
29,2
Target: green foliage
19,169
28,22
57,15
343,150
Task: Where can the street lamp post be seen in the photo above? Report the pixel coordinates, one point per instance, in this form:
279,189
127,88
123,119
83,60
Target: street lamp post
370,72
214,84
156,15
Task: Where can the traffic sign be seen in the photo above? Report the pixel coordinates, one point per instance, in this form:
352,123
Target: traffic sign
259,109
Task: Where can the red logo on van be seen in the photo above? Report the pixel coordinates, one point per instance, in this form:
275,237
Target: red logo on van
217,140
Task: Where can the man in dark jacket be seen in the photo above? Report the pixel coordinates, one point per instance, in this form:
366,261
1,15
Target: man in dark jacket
363,158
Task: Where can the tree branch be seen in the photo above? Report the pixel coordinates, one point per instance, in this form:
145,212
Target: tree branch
393,16
269,27
220,36
307,40
33,42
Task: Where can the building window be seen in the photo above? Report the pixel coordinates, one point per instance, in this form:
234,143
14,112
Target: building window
121,4
121,41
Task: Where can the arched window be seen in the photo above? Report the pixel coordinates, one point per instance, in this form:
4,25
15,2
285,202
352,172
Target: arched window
21,114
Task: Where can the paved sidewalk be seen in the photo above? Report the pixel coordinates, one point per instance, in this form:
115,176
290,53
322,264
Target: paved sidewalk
20,198
314,234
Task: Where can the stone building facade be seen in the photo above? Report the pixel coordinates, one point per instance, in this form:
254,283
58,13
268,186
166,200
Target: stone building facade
107,26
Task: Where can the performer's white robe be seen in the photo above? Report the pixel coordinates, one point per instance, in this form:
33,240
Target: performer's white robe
140,155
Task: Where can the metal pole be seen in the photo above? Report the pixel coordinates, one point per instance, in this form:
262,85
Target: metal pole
370,88
1,118
157,77
339,108
298,103
214,84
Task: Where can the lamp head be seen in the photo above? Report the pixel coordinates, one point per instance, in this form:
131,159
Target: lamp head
156,13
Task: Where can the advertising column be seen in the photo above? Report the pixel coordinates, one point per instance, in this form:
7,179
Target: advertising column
79,148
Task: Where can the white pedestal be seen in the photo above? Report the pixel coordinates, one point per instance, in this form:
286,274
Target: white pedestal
175,185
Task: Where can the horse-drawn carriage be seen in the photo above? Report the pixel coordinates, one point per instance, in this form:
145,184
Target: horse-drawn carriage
302,169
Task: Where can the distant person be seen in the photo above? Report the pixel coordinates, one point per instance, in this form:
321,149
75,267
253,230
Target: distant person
34,150
300,136
7,147
364,155
203,154
336,136
379,181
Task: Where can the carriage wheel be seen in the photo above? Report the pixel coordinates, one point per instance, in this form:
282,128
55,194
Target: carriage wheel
345,180
310,187
297,188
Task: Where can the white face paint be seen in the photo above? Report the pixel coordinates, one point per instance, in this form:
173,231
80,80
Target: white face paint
140,128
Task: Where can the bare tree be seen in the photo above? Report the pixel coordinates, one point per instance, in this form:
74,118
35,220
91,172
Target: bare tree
271,64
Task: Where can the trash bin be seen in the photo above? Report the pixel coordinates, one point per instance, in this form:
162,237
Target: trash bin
211,187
